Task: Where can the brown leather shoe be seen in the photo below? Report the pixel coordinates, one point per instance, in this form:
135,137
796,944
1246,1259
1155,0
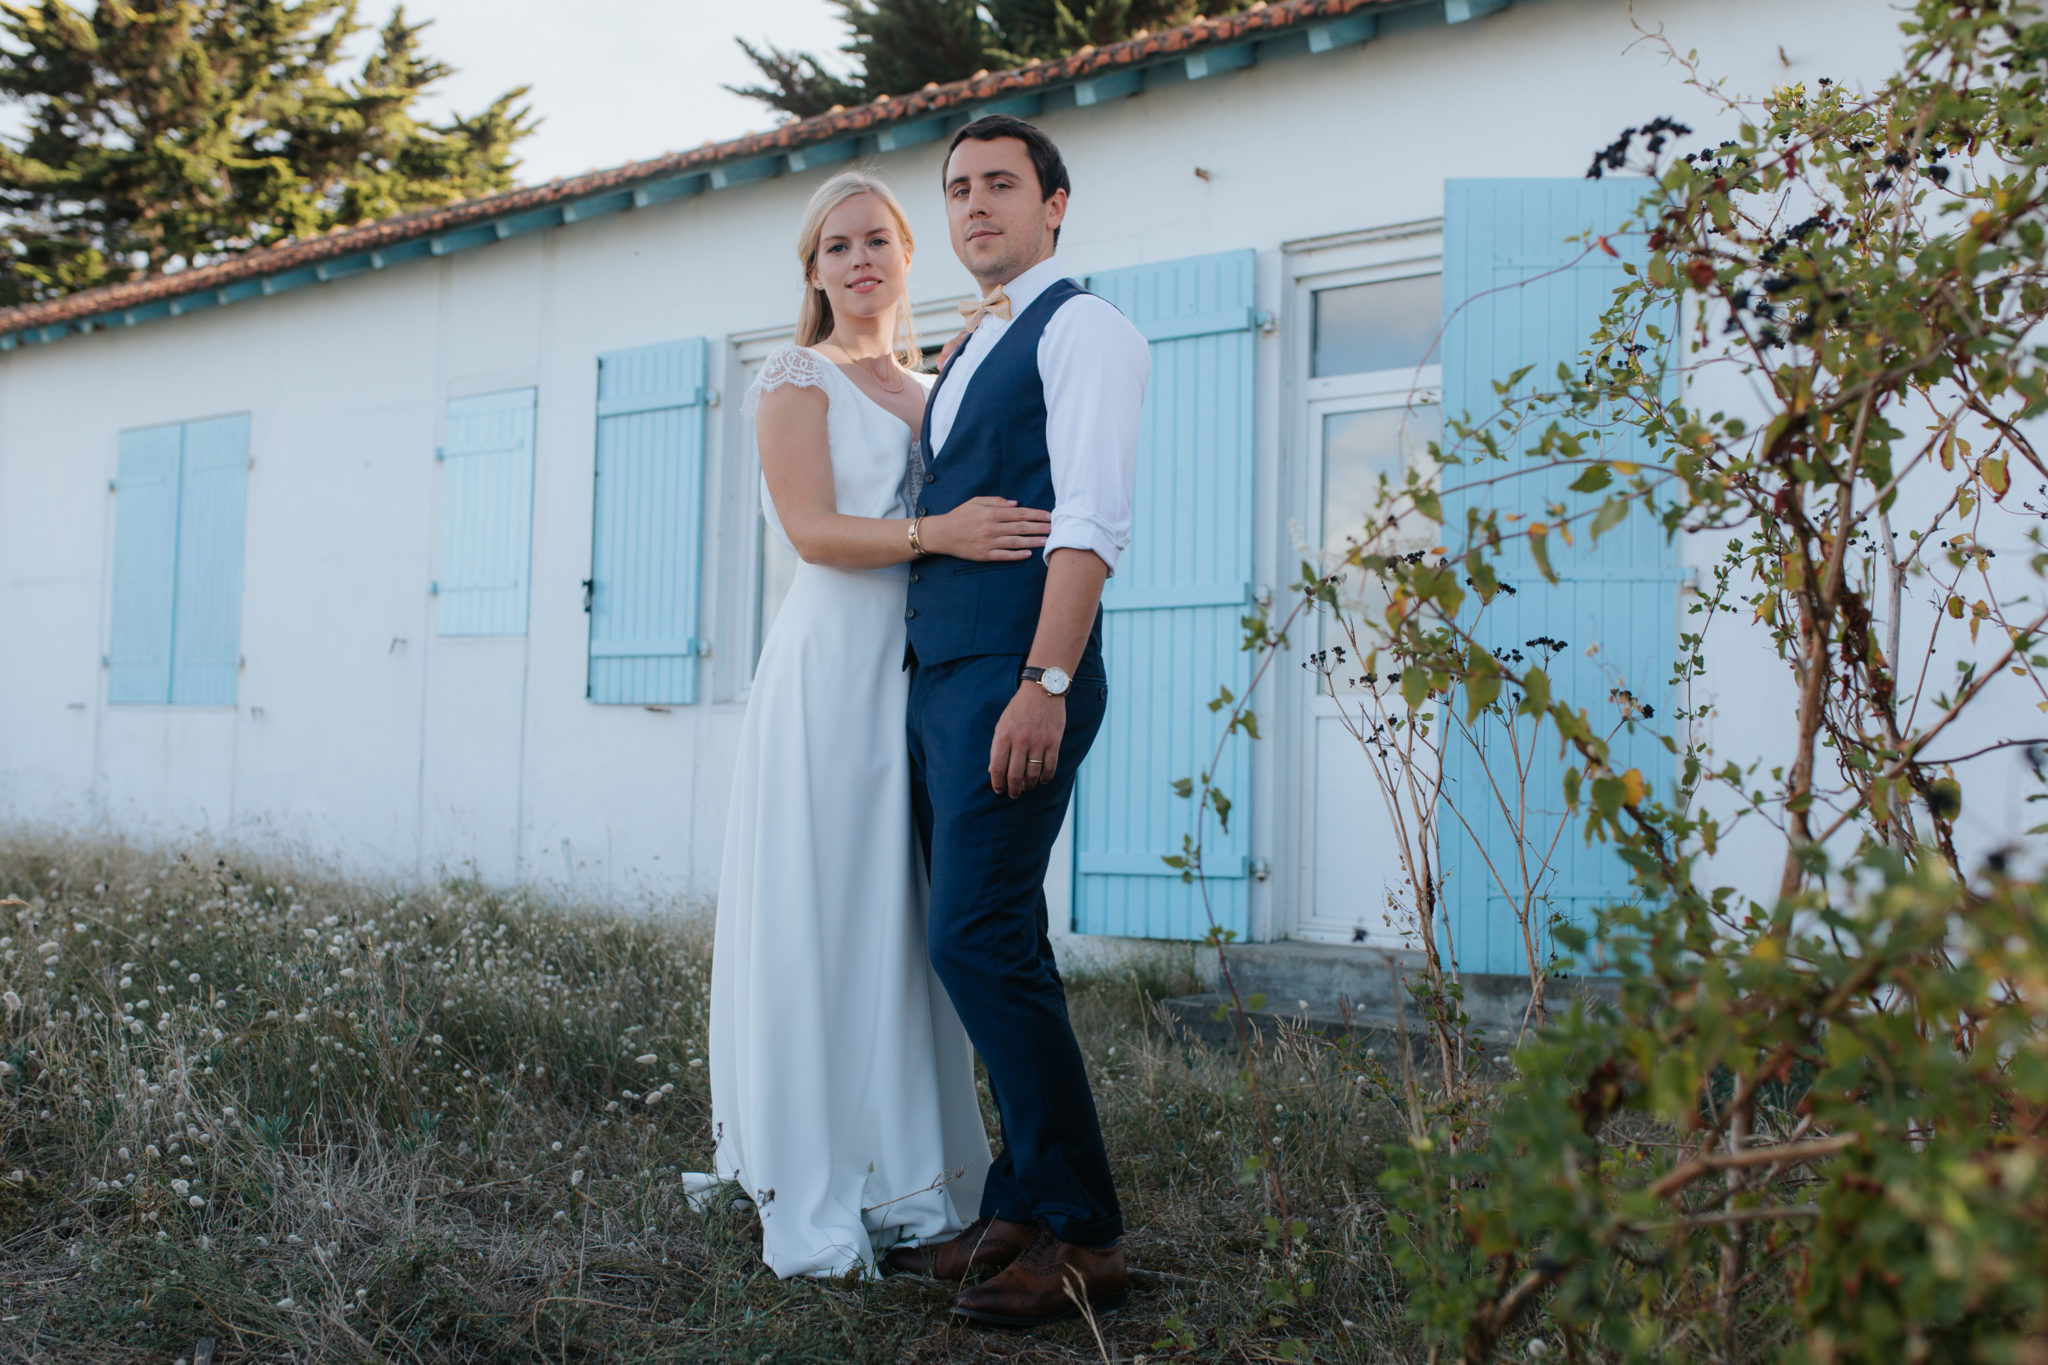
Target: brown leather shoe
987,1244
1048,1283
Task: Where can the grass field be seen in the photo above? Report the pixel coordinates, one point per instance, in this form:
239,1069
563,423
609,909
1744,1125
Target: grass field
324,1120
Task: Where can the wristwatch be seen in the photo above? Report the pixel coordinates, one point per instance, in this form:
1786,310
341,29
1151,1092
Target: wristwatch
1054,679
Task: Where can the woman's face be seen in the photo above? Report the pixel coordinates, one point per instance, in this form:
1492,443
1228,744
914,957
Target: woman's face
862,263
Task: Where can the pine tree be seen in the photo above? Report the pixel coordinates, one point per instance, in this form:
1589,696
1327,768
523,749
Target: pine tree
900,45
162,134
797,84
1037,30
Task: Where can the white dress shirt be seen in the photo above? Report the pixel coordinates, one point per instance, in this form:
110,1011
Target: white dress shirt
1094,365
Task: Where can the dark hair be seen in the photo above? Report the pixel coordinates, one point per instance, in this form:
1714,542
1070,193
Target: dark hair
1045,157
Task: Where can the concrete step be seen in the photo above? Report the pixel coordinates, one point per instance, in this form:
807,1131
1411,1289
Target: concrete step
1311,979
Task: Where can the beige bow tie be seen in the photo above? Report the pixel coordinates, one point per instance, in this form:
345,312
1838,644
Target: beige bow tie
996,305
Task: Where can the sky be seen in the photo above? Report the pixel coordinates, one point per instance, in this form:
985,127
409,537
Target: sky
613,80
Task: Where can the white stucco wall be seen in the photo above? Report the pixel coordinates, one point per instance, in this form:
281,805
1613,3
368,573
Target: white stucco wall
362,739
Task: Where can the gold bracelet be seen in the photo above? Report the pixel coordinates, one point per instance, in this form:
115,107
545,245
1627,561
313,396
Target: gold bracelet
916,546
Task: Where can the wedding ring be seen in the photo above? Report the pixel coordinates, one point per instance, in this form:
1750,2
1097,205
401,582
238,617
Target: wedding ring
1034,763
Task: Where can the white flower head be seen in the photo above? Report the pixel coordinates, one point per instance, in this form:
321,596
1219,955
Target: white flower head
12,1001
646,1059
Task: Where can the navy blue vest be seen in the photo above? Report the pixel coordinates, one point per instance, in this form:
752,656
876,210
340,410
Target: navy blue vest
959,608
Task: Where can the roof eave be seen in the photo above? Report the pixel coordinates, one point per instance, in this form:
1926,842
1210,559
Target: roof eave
1087,78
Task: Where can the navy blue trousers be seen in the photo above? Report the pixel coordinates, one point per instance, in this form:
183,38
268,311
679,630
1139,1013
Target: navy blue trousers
988,856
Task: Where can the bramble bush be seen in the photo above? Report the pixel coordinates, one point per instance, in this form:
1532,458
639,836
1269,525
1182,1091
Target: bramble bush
1813,1123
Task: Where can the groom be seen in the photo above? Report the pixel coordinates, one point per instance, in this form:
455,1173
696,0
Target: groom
1040,404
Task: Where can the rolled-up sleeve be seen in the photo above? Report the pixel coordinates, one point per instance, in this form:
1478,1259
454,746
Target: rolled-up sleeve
1094,365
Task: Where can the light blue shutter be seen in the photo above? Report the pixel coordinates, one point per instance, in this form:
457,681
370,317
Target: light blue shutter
1171,614
647,524
1508,236
145,566
206,638
486,514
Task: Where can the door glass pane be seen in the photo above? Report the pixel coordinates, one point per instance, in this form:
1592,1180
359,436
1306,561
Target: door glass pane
1387,325
1359,449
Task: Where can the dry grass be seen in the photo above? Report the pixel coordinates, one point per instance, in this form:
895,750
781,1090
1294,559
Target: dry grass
316,1119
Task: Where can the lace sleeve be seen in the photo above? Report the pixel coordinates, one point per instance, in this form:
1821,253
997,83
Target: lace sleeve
785,366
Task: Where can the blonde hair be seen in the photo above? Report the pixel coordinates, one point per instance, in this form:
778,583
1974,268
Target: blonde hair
814,316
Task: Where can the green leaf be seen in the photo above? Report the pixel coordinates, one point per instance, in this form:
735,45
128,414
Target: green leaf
1222,804
1427,503
1439,585
1595,478
1607,794
1609,516
1994,474
1482,682
1535,693
1255,1001
1484,582
1414,687
1539,550
1183,786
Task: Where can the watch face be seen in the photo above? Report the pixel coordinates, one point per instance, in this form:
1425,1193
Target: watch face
1055,681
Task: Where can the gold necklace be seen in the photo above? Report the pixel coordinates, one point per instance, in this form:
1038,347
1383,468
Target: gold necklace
889,361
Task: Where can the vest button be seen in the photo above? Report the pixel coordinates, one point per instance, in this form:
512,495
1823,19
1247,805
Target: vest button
913,578
910,614
923,512
932,477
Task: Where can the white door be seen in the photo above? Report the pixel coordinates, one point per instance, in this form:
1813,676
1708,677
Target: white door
1369,412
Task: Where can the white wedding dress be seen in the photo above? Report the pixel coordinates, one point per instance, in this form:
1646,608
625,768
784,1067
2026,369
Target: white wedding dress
842,1084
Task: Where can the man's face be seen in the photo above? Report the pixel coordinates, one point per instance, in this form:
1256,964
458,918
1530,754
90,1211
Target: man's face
1000,224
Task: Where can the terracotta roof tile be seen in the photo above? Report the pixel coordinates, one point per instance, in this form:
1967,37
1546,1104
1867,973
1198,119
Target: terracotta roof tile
833,126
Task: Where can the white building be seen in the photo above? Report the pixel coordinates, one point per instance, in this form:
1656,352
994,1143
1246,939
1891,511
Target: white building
435,544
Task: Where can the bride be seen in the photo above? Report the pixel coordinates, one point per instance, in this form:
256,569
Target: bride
842,1084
